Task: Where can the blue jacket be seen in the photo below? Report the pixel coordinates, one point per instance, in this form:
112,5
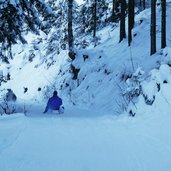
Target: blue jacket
54,103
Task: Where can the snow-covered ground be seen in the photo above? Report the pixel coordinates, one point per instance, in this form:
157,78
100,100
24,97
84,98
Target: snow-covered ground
80,141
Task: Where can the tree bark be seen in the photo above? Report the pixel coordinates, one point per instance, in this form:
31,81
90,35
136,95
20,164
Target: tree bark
71,53
130,20
113,10
122,20
140,3
163,24
153,27
70,31
94,18
144,4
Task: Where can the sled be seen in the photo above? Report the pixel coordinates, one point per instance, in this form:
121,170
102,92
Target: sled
60,111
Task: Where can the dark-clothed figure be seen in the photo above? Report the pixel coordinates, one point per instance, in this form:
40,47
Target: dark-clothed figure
54,103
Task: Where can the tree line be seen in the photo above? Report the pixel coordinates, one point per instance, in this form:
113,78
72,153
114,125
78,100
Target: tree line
17,16
120,9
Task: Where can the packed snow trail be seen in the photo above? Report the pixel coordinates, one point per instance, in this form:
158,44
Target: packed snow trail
80,140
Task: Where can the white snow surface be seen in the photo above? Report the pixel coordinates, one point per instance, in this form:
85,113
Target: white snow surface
83,140
90,136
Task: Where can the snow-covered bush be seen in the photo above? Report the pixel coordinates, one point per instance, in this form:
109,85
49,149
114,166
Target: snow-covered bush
7,106
134,88
166,53
144,91
11,107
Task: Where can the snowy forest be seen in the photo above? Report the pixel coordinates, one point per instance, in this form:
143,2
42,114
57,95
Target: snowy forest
85,85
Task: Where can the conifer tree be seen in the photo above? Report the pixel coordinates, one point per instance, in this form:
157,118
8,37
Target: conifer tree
17,16
91,18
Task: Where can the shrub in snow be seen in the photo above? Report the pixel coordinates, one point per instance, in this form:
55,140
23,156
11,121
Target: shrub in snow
11,108
166,52
125,76
2,78
141,91
9,105
134,88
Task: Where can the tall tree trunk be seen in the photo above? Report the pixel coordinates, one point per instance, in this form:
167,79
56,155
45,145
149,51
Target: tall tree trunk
163,24
153,27
94,18
132,13
70,31
122,20
113,10
144,4
140,3
131,5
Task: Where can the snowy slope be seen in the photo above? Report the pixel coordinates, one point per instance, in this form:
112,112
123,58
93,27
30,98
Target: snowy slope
103,69
101,73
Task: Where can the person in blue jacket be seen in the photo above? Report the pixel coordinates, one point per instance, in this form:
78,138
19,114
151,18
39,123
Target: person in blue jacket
54,102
